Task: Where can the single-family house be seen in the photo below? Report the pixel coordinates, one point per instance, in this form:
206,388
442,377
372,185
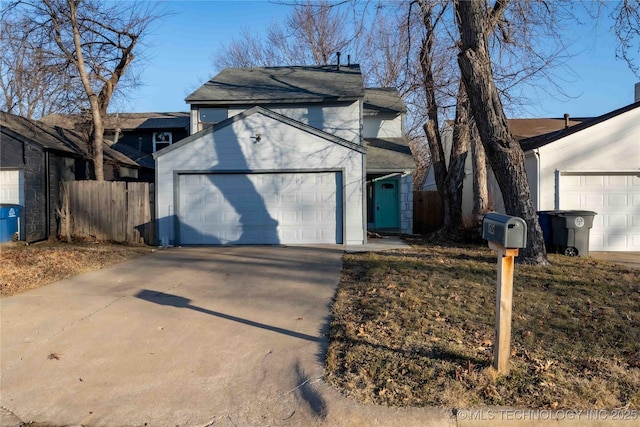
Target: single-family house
34,158
581,164
286,155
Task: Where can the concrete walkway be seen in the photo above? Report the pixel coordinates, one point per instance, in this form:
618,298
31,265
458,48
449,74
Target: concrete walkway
229,336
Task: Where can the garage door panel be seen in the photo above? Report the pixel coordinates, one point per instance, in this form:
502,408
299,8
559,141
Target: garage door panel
616,200
270,208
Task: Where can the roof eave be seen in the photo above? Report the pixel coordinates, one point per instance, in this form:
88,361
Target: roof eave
259,101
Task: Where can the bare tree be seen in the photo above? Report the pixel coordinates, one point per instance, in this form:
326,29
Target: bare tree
475,23
33,85
311,35
626,16
96,42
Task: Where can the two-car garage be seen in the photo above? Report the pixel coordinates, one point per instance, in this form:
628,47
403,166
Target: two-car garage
260,208
293,185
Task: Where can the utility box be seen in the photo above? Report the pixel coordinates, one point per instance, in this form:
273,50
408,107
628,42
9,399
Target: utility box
507,231
9,222
571,231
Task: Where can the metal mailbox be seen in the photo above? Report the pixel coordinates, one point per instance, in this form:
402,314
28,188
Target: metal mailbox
508,231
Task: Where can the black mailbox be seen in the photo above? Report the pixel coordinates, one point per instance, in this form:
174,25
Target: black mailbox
507,231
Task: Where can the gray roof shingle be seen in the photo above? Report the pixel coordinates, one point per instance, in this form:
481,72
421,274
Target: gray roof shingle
57,138
124,121
386,100
388,155
281,85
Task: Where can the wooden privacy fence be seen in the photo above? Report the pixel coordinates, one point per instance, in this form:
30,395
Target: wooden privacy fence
427,216
113,211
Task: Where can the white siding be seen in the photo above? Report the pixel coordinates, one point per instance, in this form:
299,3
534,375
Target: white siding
281,148
341,120
382,126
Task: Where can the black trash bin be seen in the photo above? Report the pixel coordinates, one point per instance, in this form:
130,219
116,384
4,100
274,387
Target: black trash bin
571,231
544,219
9,222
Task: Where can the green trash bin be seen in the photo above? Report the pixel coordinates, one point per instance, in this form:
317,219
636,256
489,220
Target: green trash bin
571,231
9,222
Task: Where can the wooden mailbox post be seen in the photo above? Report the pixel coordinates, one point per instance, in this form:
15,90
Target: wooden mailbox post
505,235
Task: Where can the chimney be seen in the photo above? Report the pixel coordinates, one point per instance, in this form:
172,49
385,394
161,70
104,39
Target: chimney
348,60
637,97
338,55
566,120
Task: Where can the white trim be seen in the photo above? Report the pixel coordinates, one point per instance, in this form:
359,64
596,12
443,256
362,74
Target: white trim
599,172
162,137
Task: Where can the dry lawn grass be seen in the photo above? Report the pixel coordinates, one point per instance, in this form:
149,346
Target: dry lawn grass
415,327
24,267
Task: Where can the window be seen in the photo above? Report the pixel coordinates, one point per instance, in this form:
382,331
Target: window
212,115
161,140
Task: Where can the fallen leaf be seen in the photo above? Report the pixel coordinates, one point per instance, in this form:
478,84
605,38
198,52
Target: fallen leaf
55,356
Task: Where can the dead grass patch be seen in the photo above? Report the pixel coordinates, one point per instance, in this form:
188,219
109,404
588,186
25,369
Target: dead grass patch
415,327
24,267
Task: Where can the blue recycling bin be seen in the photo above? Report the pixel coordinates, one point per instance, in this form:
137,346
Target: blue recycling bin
9,221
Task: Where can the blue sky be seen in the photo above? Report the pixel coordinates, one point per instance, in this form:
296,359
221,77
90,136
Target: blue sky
178,59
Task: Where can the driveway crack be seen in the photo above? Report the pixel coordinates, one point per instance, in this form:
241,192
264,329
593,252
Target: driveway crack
45,340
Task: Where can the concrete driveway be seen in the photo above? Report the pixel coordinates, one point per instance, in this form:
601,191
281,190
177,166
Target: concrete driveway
230,336
629,259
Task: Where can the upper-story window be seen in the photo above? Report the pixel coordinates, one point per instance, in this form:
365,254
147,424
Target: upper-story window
210,115
161,140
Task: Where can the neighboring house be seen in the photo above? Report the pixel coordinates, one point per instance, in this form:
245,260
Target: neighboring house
146,132
592,166
286,155
34,159
136,135
583,164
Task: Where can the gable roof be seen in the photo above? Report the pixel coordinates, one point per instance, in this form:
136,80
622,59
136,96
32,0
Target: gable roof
547,138
265,112
281,85
55,138
124,121
383,99
530,128
388,155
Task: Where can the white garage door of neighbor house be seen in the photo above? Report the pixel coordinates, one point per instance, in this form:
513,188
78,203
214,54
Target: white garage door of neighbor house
11,187
616,200
260,208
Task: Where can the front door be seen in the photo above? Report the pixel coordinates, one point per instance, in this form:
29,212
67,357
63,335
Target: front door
387,205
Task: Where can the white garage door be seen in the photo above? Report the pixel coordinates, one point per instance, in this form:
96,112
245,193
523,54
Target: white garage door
11,187
260,208
615,198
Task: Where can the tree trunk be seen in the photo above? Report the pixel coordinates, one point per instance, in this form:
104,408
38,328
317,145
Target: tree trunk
479,162
432,127
459,150
503,151
448,178
97,138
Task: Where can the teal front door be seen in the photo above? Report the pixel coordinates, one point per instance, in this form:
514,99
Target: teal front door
387,205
